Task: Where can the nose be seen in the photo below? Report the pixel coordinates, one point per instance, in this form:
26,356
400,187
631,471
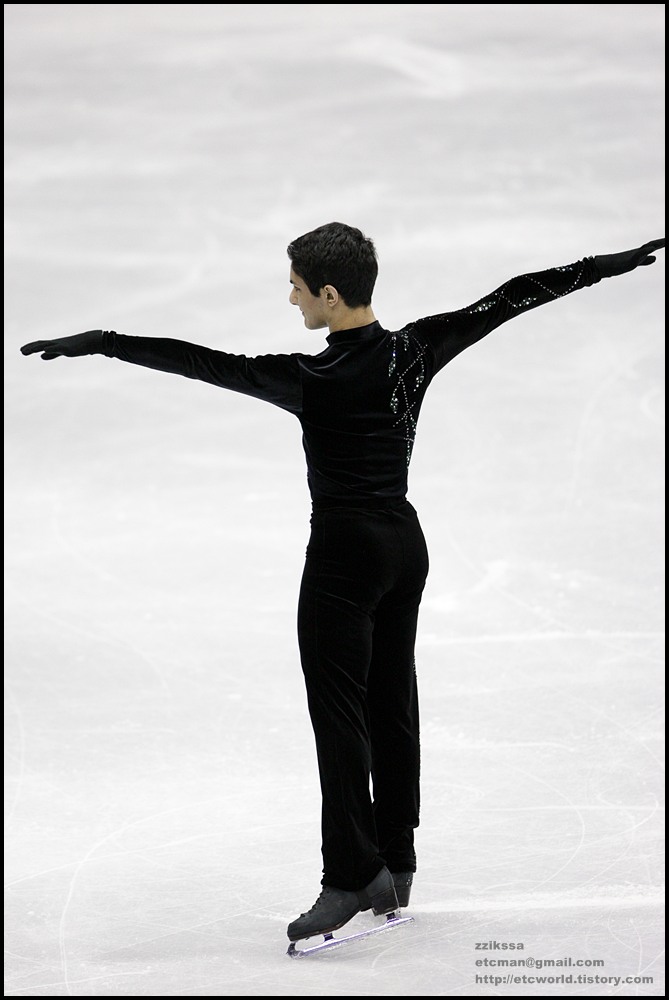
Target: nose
292,298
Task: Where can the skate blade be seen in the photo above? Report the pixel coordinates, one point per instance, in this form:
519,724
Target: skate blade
329,942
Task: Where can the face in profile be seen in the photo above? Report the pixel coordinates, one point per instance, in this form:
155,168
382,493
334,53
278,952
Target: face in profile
312,307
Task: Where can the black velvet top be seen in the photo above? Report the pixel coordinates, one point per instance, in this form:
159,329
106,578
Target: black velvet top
358,401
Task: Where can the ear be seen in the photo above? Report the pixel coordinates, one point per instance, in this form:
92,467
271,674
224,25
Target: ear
330,294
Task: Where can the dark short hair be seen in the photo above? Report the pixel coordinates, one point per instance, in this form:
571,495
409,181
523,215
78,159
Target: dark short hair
338,255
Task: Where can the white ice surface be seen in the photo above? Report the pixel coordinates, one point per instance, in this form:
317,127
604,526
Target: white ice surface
162,803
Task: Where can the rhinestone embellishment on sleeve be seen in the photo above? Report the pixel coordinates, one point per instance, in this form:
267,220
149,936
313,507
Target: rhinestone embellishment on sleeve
403,398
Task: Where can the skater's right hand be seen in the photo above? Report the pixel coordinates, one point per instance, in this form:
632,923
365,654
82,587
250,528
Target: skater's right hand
90,342
611,264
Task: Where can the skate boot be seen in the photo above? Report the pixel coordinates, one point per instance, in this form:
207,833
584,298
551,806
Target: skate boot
403,882
335,907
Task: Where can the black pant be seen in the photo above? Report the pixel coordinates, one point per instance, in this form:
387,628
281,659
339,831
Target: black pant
362,585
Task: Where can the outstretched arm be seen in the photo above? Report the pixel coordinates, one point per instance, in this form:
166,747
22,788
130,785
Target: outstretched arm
275,378
450,333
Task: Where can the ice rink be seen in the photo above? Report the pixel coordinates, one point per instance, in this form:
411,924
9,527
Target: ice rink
162,805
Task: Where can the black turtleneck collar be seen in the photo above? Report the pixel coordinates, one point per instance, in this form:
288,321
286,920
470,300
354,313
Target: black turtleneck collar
355,333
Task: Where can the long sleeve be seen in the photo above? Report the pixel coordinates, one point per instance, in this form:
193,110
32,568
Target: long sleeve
275,378
450,333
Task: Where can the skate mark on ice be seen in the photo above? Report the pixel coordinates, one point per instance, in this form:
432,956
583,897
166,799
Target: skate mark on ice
619,372
545,901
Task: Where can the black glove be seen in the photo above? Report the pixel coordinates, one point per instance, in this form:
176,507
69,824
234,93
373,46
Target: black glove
611,264
80,344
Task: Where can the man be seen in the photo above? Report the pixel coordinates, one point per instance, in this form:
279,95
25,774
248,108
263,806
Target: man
358,403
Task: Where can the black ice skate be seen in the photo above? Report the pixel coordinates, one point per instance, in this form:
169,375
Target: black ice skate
403,882
335,907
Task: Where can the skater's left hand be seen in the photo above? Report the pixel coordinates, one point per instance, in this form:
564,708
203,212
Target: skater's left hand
77,346
611,264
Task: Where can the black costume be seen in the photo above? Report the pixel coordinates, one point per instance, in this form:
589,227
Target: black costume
358,403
